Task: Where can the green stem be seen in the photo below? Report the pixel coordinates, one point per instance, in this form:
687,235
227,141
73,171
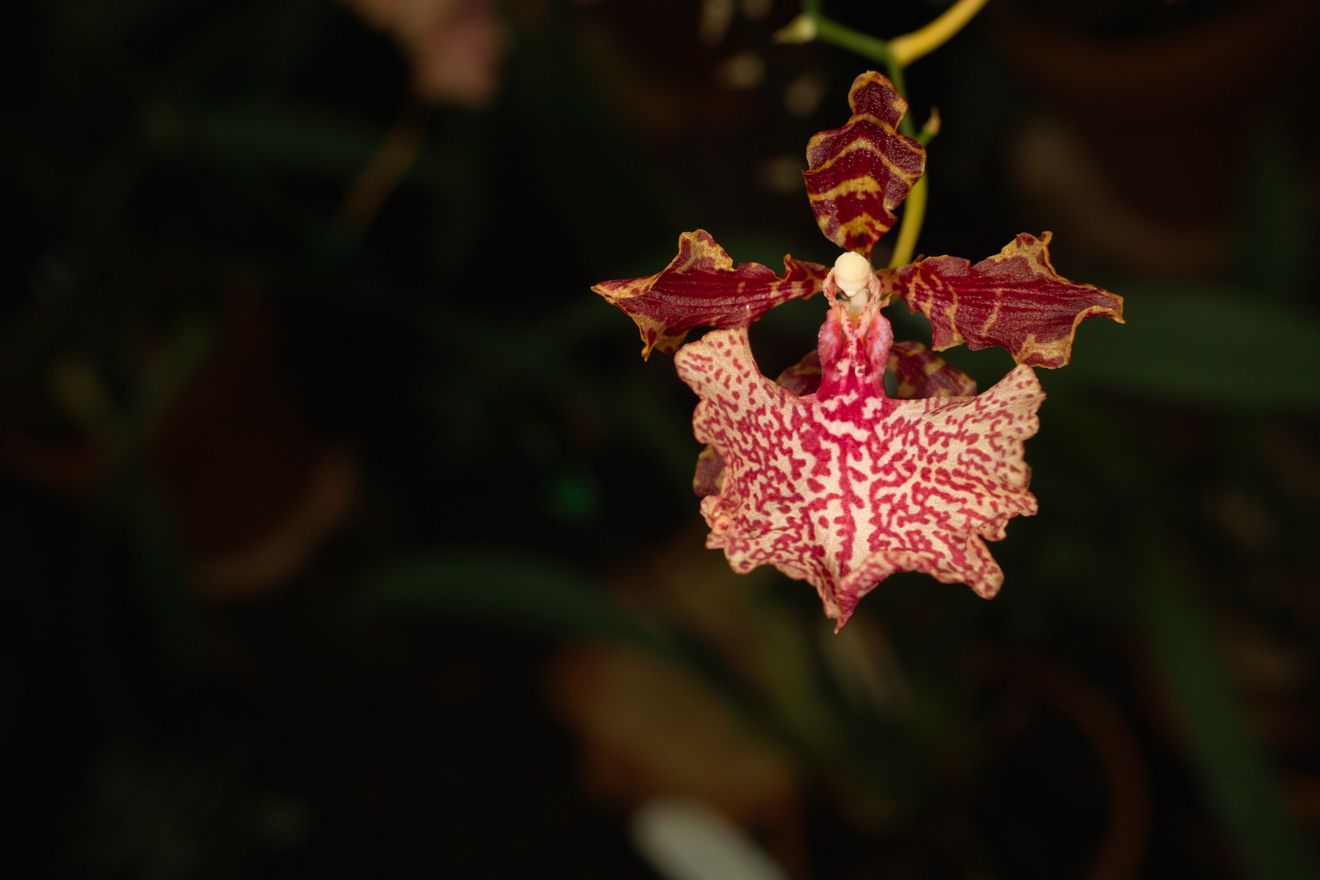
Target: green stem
914,212
900,83
845,37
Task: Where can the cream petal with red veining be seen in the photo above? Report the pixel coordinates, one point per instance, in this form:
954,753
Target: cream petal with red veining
846,486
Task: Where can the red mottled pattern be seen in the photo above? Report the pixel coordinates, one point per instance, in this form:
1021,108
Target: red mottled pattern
701,287
801,378
919,372
1013,300
846,486
858,174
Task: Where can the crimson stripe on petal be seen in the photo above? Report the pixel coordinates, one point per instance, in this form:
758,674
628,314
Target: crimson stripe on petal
921,373
858,174
1013,300
701,287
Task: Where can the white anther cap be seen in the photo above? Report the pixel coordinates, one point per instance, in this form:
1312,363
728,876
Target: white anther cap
852,272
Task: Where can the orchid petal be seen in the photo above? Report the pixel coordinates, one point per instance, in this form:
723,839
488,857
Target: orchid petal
1013,300
709,477
701,287
858,174
846,486
919,373
801,378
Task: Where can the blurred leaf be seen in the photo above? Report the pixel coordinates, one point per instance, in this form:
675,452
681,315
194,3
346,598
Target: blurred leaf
159,573
544,597
1274,232
493,586
288,138
562,103
1209,345
653,429
1232,767
185,349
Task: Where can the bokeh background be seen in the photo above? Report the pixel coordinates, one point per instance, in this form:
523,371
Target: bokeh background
344,531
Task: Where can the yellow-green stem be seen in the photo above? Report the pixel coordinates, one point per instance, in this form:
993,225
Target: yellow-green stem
923,41
845,37
914,212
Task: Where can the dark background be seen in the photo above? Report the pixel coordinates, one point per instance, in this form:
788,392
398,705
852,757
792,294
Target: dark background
358,540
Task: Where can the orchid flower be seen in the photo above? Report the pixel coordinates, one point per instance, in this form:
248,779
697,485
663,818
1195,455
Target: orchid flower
821,473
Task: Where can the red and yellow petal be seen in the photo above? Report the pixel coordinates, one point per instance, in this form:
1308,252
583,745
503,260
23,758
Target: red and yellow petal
859,174
701,287
921,373
1013,300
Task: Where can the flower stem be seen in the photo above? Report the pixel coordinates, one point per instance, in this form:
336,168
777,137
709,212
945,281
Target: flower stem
844,37
923,41
914,212
895,72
